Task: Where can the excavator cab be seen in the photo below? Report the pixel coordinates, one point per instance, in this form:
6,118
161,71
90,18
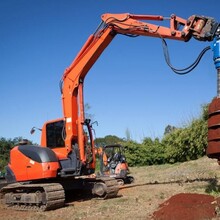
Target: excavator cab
53,137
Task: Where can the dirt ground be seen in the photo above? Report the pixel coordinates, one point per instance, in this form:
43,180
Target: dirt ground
186,191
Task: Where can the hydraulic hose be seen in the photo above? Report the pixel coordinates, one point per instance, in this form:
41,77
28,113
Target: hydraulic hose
184,70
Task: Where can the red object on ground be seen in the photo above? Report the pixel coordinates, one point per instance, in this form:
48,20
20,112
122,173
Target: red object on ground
186,206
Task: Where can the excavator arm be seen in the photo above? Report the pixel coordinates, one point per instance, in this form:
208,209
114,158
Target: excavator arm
199,27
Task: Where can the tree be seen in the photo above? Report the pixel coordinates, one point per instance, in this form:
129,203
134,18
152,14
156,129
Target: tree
107,140
169,129
5,146
88,115
128,134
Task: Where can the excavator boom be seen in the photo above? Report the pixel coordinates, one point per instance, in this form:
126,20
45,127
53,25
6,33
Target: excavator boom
200,27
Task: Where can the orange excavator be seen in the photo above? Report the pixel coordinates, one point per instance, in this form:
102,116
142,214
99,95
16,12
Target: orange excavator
39,176
113,163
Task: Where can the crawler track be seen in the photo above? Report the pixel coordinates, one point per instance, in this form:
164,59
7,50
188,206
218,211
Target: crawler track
106,187
38,197
3,182
49,196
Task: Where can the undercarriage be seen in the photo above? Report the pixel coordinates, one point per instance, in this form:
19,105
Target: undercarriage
49,196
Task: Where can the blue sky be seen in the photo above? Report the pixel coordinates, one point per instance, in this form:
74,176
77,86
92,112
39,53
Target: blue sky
129,87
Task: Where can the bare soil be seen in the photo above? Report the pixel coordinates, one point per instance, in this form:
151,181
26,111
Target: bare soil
186,191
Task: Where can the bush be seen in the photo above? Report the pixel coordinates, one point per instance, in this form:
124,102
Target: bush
187,143
177,145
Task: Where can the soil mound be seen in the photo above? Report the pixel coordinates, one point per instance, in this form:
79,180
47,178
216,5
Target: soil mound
188,206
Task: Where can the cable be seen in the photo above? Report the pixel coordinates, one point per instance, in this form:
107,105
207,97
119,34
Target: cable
114,20
184,70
